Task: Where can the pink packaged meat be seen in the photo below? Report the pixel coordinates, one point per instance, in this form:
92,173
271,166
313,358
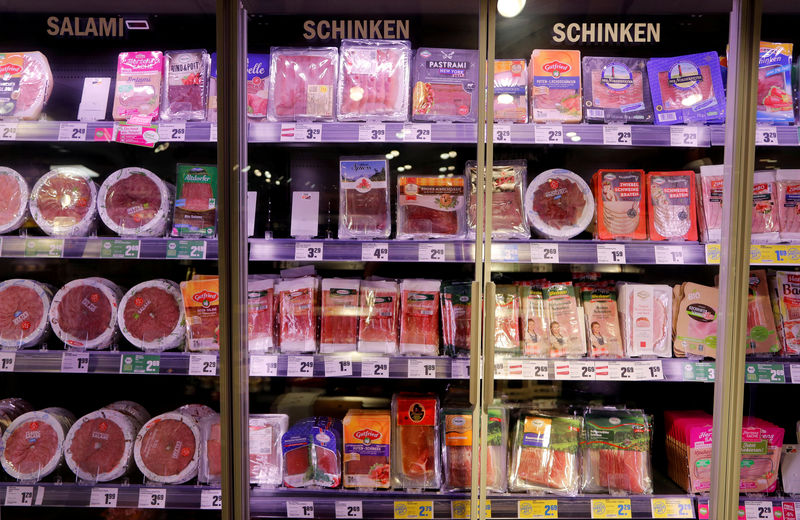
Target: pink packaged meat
696,323
138,88
555,86
34,444
14,194
419,322
788,182
64,203
565,329
167,448
83,313
616,90
535,322
645,315
185,95
374,80
765,216
339,324
26,83
507,320
711,186
602,322
687,89
136,202
260,313
302,82
508,210
297,310
445,85
672,206
24,307
151,316
378,317
559,204
511,91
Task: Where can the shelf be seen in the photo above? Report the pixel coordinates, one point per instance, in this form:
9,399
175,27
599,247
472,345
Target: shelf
358,365
100,131
108,248
107,362
362,132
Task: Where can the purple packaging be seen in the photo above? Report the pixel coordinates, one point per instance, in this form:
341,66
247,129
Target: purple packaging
257,85
616,90
312,450
687,89
445,85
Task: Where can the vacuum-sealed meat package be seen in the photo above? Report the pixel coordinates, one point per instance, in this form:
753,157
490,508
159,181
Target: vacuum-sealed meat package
374,79
457,434
506,316
167,448
339,328
364,207
136,202
765,227
616,90
687,89
534,321
151,316
645,313
14,203
430,207
621,204
696,324
602,322
786,309
312,452
266,459
415,446
456,299
25,85
559,204
761,334
788,182
555,77
511,91
257,85
138,88
377,326
297,312
302,82
185,95
195,201
508,209
64,203
711,186
774,100
260,313
445,85
565,330
672,205
24,308
83,313
33,444
367,449
419,322
201,306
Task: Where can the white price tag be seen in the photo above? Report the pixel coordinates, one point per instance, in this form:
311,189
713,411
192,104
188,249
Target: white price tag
669,254
372,132
794,372
338,367
610,254
72,132
152,498
505,252
617,135
211,499
300,366
758,510
431,253
535,369
500,369
308,251
19,496
684,136
295,509
103,497
512,367
172,131
548,134
375,367
75,362
421,369
374,252
7,360
649,370
202,365
502,133
544,253
8,131
616,370
417,132
459,368
349,509
263,366
212,133
308,132
766,136
575,370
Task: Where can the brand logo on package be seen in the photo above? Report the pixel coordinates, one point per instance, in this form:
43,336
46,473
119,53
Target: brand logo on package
356,29
205,296
367,435
10,69
94,26
607,32
556,68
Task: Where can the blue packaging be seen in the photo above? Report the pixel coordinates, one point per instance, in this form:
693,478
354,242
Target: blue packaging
687,89
616,90
445,85
312,450
774,102
257,86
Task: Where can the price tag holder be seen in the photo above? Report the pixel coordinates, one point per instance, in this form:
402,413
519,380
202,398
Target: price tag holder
375,367
688,136
413,509
374,252
211,499
263,366
574,370
8,131
44,247
103,497
712,253
72,132
202,365
75,362
349,509
610,254
794,373
308,251
172,131
758,510
611,508
544,253
338,367
765,373
535,369
502,133
537,509
186,249
431,252
308,132
19,496
678,507
421,369
140,364
300,366
152,498
120,248
617,135
618,370
650,370
212,132
462,509
548,134
372,132
7,361
766,136
512,368
669,254
705,372
417,132
297,509
459,368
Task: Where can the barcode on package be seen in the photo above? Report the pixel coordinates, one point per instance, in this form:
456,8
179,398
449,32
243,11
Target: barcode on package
668,116
595,112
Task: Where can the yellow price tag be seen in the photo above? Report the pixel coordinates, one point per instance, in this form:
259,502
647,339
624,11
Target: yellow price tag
537,509
678,507
611,508
462,508
772,254
712,253
413,509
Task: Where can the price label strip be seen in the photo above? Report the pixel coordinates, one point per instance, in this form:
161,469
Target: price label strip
202,365
544,253
44,247
140,364
72,132
462,509
300,366
186,249
349,509
610,254
211,499
766,135
374,252
431,253
263,366
459,368
120,248
7,361
616,370
308,132
152,498
548,134
75,362
338,367
502,133
372,132
103,497
19,496
765,373
8,131
535,369
705,372
308,251
759,510
413,509
537,509
677,507
611,508
296,509
669,254
617,135
417,132
575,370
172,131
421,369
375,367
650,370
685,136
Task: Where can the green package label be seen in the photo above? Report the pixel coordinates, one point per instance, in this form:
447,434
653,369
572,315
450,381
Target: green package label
195,201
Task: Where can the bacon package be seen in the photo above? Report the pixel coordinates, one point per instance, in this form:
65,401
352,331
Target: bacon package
671,205
415,448
544,453
201,307
774,102
506,315
645,315
535,322
559,204
339,328
602,322
367,443
456,299
687,89
785,291
138,87
457,445
508,208
765,227
555,77
761,334
377,325
374,79
788,183
711,186
26,83
511,91
260,313
302,82
419,322
297,311
696,325
185,95
312,453
364,207
616,90
621,204
565,329
445,85
430,207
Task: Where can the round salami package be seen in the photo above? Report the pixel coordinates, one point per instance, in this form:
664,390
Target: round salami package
33,443
64,203
136,202
24,308
167,448
14,203
151,316
559,204
84,313
99,446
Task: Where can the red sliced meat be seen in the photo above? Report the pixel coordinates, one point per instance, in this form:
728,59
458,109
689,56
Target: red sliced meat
31,447
168,447
675,98
339,330
84,312
98,446
13,200
22,313
603,97
132,201
61,202
150,314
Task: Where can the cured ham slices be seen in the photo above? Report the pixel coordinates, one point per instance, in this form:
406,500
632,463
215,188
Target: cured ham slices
687,89
559,204
339,327
302,83
616,90
415,456
445,85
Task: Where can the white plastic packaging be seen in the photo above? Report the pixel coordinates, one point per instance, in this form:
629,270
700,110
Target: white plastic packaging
302,83
297,311
24,313
266,457
559,204
445,85
167,448
33,444
64,203
419,317
14,201
185,92
339,327
83,313
260,313
765,225
151,316
645,315
508,206
209,468
711,187
138,86
136,202
788,182
378,319
26,85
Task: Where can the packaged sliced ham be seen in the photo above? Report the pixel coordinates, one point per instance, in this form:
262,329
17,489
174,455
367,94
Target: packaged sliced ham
621,204
374,78
671,206
378,316
260,313
195,201
457,434
302,83
64,203
136,202
696,326
616,90
209,465
419,317
33,444
14,203
430,207
565,329
83,313
765,216
788,182
687,89
544,453
445,85
138,87
456,300
339,327
712,184
645,315
506,316
185,95
602,322
201,308
786,301
297,311
508,209
312,452
364,207
166,449
535,323
257,85
761,334
367,444
26,84
266,459
774,103
559,204
24,309
555,86
151,316
511,91
415,449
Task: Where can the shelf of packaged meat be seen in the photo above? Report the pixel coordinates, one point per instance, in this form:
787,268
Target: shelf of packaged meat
109,362
362,132
108,247
358,365
101,131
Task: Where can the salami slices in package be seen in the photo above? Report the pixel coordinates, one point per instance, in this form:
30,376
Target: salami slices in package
616,90
687,89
